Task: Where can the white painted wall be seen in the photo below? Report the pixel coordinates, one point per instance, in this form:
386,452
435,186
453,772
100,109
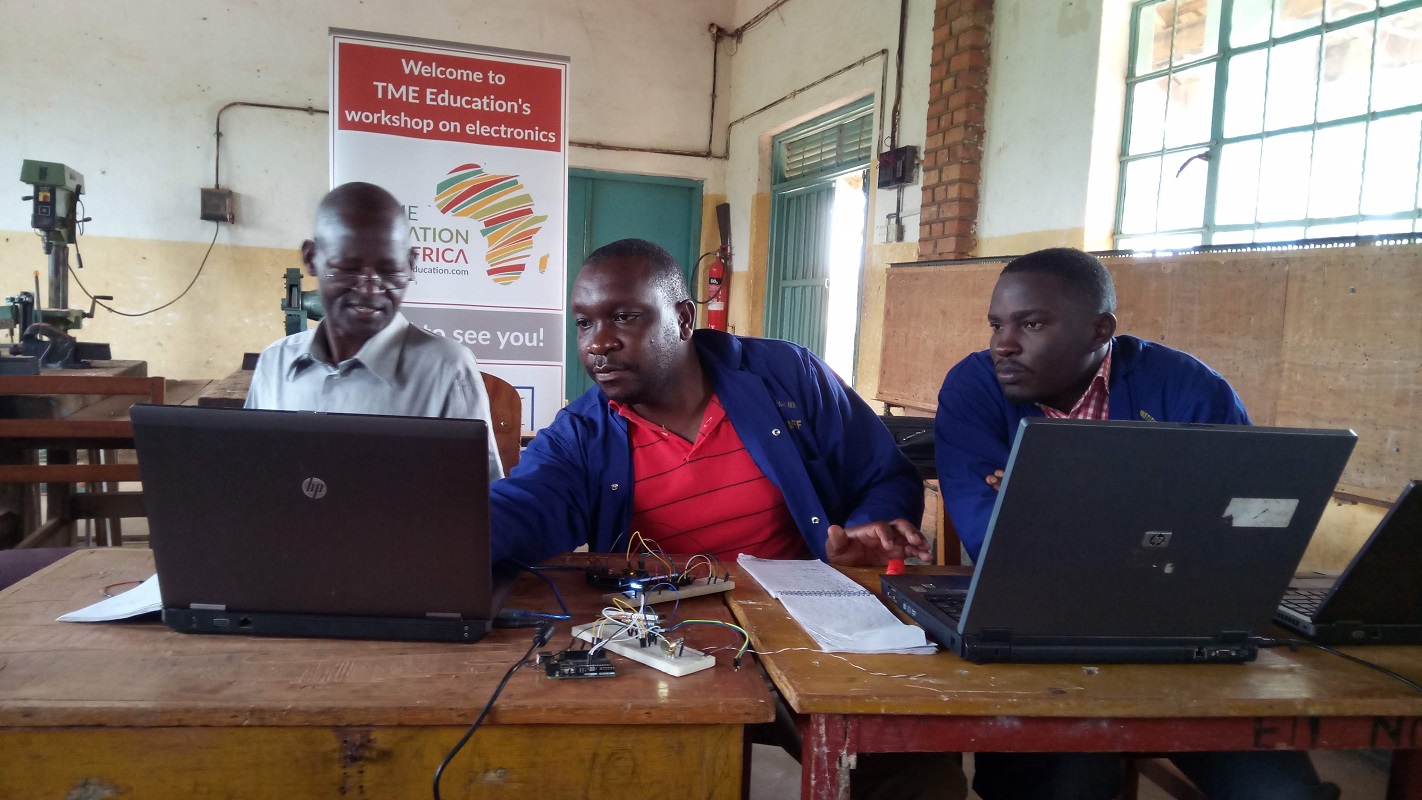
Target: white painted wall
129,98
130,103
1055,104
799,43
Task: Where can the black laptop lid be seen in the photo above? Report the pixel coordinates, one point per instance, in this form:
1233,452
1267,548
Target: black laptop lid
299,512
1383,584
1143,529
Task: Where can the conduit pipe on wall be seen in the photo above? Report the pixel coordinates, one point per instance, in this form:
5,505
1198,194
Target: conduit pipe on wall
217,131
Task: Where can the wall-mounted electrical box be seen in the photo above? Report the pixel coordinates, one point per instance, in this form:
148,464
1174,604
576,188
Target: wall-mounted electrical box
898,167
217,205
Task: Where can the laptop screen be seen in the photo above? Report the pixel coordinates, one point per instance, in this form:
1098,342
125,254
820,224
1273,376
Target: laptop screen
300,512
1150,529
1381,586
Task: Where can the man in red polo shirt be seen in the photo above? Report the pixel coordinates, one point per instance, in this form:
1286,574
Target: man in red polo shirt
703,441
713,443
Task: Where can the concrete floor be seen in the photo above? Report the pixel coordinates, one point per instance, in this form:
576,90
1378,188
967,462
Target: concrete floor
776,776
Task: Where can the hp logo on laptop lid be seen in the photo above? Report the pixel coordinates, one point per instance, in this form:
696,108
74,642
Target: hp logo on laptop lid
314,488
1156,539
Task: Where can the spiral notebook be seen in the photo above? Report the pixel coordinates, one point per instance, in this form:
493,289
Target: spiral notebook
839,614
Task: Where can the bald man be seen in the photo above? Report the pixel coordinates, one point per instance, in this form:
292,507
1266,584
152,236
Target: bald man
365,357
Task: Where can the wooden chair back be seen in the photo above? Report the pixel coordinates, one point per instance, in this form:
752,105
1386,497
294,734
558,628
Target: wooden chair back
506,412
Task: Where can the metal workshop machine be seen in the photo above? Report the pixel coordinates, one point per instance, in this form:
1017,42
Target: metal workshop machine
298,306
45,331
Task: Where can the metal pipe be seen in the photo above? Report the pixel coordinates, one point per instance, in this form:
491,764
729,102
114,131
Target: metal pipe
659,150
772,104
217,156
898,107
899,76
753,21
715,54
58,276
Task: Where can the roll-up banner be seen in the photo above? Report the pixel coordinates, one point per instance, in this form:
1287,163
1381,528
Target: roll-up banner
472,142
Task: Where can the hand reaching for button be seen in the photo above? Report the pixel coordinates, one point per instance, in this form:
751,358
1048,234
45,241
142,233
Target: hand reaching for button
872,545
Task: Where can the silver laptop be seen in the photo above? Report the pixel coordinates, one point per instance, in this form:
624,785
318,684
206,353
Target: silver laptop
279,523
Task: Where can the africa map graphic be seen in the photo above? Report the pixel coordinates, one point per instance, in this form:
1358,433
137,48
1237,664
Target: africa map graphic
504,211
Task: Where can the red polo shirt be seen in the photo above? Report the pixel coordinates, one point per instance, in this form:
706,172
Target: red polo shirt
706,496
1095,402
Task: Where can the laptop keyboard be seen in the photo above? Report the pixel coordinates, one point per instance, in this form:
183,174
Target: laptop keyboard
950,604
1303,601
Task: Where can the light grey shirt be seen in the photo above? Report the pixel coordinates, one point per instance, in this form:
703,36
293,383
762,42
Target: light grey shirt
402,371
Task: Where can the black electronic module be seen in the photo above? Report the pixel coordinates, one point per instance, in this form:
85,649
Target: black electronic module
576,664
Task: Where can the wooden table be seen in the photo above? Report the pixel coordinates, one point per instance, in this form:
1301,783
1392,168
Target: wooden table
20,503
1306,700
98,424
137,710
228,392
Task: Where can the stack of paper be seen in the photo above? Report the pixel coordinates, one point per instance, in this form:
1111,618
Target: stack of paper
838,613
141,599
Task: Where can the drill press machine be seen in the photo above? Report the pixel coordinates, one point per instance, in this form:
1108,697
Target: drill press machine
45,339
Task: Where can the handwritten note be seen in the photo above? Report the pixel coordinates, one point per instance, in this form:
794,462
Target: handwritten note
839,614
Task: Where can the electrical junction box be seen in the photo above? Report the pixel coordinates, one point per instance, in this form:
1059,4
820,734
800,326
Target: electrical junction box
217,205
898,167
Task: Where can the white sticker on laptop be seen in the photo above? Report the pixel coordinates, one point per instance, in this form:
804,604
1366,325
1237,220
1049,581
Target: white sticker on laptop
1261,512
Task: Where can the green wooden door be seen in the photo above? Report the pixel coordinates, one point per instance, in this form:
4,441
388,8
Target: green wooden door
606,206
798,288
806,163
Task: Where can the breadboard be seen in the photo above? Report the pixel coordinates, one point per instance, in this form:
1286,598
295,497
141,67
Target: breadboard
689,661
696,588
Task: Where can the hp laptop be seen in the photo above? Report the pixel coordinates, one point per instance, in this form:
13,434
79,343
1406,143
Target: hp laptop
279,523
1134,542
1378,598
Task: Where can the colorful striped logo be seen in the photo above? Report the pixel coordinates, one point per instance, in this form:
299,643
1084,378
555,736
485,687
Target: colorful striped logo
504,210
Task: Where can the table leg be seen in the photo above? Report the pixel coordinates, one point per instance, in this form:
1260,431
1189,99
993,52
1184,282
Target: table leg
115,524
747,749
107,530
1405,781
827,756
57,499
19,502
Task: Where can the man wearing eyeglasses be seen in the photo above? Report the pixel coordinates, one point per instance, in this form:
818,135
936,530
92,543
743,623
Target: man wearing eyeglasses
365,357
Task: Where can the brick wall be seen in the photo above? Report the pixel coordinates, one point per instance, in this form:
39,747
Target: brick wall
953,152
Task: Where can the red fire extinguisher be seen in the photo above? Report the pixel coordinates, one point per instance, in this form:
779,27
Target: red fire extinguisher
718,275
718,285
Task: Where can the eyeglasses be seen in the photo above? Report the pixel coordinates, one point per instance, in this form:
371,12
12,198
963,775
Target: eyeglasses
352,279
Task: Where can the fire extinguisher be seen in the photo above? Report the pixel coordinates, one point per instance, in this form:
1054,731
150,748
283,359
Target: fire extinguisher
718,275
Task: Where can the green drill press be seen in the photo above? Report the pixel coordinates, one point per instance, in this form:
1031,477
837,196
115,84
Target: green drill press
45,330
299,306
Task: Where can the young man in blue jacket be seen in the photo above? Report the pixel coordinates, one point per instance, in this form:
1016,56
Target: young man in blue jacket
708,442
1053,352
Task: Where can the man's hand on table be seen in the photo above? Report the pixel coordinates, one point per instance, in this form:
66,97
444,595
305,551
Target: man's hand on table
872,545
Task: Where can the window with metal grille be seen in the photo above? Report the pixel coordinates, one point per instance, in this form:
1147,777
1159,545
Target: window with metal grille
1271,120
828,147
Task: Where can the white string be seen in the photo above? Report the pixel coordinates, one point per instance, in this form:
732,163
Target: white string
841,658
955,690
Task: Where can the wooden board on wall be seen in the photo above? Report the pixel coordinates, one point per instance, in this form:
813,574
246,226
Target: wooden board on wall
1324,337
933,316
1353,358
1224,310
